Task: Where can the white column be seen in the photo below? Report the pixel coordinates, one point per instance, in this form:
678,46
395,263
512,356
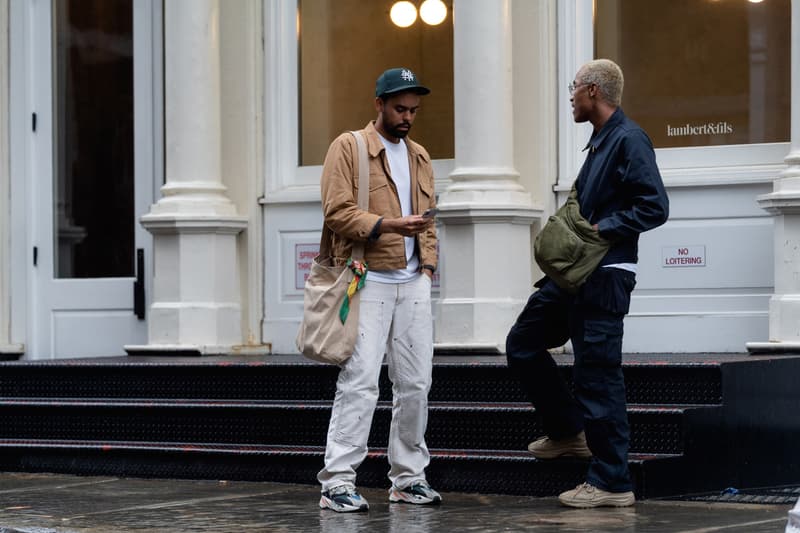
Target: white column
8,350
486,215
196,299
784,203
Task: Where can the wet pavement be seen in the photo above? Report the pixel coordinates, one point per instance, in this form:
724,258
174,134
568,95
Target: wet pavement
45,503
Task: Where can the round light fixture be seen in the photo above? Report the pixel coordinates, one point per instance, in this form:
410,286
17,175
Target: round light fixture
403,14
433,12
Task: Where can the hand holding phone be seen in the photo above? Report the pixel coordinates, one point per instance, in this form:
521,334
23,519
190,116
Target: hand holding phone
431,212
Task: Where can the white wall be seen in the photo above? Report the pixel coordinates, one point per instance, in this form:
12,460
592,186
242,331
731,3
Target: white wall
536,102
5,187
242,66
713,308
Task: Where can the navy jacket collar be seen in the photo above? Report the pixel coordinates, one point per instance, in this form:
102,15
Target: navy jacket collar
598,137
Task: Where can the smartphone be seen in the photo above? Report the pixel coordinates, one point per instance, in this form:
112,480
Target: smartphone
430,213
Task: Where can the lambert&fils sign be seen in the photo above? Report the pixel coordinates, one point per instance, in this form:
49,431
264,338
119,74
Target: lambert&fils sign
719,128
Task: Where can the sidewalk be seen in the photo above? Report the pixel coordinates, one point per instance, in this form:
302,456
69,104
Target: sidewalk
46,503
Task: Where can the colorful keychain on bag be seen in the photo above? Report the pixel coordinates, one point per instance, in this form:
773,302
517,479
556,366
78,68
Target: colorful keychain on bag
359,269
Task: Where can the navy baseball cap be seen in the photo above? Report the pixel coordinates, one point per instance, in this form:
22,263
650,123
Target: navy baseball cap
397,80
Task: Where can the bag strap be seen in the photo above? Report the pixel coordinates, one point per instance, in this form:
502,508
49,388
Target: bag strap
363,200
363,187
363,172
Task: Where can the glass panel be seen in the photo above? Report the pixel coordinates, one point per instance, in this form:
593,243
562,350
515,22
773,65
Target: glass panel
93,124
701,72
344,46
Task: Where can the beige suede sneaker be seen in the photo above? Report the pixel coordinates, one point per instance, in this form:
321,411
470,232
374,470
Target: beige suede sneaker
585,495
547,448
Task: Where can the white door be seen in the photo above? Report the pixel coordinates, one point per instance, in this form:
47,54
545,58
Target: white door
93,168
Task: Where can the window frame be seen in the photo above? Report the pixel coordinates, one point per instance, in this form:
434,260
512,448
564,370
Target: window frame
285,179
686,166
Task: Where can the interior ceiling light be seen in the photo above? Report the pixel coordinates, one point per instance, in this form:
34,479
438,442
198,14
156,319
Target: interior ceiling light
403,14
433,12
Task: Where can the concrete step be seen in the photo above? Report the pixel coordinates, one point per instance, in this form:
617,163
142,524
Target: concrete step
700,422
483,471
500,426
484,379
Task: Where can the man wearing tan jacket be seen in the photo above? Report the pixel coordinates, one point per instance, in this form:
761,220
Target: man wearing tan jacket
395,305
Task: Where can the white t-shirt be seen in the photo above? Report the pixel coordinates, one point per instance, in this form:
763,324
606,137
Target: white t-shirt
397,156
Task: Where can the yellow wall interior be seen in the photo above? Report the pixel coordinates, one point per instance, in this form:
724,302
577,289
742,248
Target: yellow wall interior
344,46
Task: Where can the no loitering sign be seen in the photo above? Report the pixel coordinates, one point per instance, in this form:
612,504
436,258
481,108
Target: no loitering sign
683,256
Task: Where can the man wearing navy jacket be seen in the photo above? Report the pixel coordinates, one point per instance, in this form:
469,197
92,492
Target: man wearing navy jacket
621,194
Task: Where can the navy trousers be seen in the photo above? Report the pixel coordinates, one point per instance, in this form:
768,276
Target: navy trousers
592,319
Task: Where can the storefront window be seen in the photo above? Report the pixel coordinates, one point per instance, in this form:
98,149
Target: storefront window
701,72
94,186
344,46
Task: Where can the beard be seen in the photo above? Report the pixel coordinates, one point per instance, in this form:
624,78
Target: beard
398,132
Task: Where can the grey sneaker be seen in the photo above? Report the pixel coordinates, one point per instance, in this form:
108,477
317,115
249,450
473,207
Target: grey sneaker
343,499
419,493
585,495
547,448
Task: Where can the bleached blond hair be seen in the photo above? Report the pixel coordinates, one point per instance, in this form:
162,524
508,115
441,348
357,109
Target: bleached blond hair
607,76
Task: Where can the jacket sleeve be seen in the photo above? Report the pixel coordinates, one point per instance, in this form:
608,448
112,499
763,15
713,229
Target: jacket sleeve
646,199
340,192
428,251
427,240
429,257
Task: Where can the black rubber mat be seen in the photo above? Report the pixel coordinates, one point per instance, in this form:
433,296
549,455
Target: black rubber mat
766,495
698,423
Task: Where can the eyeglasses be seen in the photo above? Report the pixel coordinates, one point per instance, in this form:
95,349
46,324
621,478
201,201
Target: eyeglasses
572,86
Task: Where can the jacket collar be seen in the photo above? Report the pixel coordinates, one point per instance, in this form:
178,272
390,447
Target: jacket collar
597,138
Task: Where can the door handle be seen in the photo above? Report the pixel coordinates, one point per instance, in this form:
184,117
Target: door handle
138,285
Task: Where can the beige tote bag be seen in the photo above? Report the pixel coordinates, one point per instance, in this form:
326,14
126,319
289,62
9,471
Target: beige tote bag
323,336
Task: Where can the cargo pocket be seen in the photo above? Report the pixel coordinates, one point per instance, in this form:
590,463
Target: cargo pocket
426,189
602,343
597,374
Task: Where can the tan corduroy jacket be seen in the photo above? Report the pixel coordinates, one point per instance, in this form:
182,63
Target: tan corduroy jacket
339,185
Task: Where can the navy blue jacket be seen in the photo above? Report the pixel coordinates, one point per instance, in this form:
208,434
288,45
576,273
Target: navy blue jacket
619,187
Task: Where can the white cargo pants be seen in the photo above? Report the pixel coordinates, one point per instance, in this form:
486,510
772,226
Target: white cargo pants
394,319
